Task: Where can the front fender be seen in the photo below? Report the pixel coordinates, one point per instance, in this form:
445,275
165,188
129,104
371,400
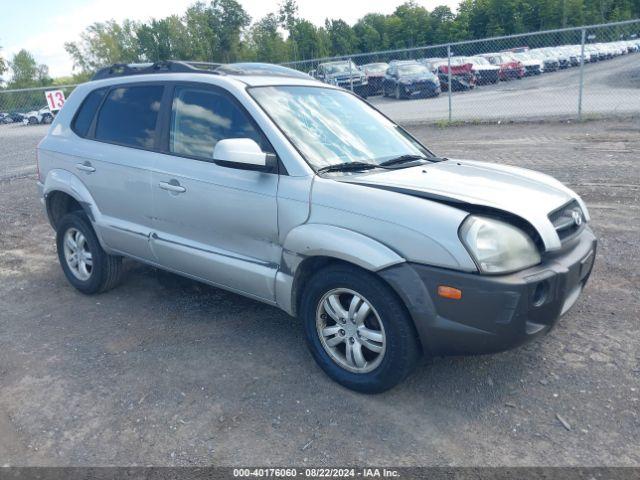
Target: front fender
315,240
336,242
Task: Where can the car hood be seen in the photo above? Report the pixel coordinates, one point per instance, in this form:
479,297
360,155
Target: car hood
529,195
418,78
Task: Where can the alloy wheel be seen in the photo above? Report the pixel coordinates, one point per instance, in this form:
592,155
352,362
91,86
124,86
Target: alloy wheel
350,330
77,254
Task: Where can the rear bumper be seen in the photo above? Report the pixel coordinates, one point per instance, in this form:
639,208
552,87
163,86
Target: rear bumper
495,313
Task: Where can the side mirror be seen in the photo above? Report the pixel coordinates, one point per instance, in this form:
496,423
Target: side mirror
244,154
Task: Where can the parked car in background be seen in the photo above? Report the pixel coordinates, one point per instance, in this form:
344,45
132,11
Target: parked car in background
408,79
510,68
345,74
563,58
485,72
462,74
36,117
375,74
532,65
549,63
13,117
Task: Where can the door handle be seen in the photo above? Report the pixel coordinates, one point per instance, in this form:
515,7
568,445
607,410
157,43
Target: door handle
85,167
172,187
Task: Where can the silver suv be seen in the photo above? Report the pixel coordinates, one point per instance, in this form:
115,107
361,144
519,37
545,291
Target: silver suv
300,195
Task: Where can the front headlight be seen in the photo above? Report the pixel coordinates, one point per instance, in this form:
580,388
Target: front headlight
496,246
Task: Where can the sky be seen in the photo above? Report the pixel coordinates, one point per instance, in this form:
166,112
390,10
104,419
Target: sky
43,26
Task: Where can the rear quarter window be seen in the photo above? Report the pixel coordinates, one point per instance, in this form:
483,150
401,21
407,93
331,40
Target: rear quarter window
86,112
129,116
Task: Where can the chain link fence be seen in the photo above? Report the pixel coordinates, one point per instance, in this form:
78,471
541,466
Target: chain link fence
570,73
28,105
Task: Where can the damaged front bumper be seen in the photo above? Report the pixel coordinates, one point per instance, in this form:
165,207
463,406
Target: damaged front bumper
495,313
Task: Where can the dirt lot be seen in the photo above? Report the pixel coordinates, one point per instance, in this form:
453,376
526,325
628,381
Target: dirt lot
165,371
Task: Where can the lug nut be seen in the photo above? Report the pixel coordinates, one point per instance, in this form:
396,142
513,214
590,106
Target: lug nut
323,316
351,340
341,332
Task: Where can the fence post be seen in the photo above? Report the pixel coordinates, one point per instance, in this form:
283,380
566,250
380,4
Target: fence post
584,35
350,74
449,77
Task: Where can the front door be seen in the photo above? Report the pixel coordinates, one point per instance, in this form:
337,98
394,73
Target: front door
213,222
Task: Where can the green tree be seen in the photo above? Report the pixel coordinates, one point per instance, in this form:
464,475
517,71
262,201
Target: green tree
288,14
414,25
105,44
307,41
342,39
228,19
25,70
267,44
3,64
201,36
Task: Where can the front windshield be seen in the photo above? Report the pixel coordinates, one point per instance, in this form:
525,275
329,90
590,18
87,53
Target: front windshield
377,67
480,60
344,67
411,69
330,126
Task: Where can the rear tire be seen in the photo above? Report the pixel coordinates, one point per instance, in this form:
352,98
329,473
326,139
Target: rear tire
85,264
368,348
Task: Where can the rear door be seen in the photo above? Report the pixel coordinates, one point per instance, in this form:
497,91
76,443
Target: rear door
115,158
213,222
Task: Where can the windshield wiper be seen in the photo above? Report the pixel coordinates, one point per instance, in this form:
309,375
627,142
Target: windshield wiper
347,167
403,159
409,159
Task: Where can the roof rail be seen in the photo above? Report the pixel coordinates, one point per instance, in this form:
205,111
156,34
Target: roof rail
169,66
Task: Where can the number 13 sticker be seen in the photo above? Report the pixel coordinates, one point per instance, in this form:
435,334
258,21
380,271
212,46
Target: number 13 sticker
55,99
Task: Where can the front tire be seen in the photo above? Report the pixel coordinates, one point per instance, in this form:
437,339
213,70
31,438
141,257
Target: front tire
85,264
357,329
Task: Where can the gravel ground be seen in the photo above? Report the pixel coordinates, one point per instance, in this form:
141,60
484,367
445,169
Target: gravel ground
166,371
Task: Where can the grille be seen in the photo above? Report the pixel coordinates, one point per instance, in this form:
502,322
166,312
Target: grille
568,220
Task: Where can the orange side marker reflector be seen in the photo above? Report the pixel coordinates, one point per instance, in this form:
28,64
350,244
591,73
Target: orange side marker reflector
449,292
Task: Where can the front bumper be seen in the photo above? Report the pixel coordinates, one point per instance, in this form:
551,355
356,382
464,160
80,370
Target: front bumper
420,88
495,313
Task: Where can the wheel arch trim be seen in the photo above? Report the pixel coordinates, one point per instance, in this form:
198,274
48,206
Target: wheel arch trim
340,243
327,242
59,180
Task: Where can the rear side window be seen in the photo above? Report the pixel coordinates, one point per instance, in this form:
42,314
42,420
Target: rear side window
87,111
200,118
129,115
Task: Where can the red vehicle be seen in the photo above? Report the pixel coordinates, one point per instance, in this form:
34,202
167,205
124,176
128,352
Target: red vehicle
510,67
375,74
462,74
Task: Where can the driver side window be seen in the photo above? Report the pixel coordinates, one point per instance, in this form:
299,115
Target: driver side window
200,118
